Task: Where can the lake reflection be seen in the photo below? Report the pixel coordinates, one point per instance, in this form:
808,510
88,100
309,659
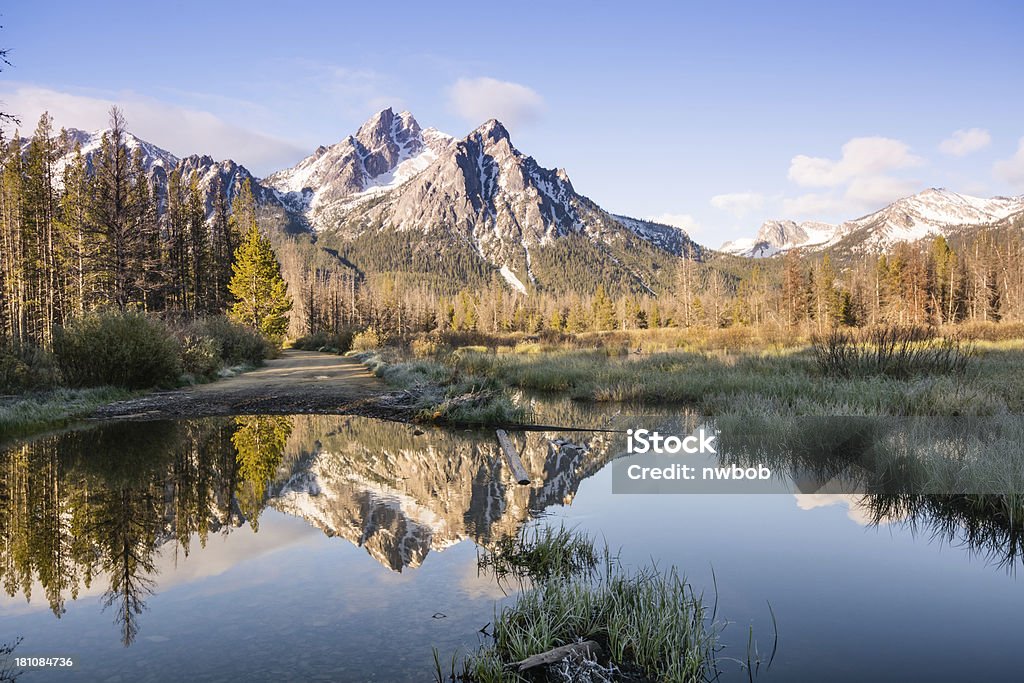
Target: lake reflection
93,506
271,548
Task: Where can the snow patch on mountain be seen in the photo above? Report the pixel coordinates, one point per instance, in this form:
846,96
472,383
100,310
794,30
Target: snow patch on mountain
512,280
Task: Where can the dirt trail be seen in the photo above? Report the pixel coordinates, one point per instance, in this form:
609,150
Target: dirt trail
296,382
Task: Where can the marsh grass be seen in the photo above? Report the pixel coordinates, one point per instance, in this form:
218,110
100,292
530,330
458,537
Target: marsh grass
444,393
891,351
767,383
890,371
540,553
649,622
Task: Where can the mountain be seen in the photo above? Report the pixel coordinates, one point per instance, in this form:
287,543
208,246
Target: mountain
402,199
157,162
930,213
927,214
478,200
386,151
776,236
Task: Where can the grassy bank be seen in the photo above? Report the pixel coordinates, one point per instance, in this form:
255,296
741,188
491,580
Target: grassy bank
787,381
440,392
106,356
37,412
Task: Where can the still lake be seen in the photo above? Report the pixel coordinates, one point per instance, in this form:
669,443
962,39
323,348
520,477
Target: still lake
345,549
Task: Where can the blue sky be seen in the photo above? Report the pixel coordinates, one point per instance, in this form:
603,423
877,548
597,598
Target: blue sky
715,116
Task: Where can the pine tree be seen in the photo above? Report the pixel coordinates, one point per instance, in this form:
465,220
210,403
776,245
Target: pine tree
603,311
112,214
222,247
195,211
261,294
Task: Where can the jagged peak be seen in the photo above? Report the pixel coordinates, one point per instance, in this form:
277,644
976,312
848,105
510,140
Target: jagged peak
491,130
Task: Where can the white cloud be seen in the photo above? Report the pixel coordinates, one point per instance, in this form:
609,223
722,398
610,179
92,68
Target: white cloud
355,91
860,157
738,204
859,181
181,130
1012,170
679,220
478,99
963,142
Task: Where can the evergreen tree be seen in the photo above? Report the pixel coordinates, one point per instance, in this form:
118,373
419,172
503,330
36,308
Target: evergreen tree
195,211
222,247
261,294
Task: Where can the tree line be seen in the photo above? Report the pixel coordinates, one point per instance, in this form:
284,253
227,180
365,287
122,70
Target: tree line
80,232
978,279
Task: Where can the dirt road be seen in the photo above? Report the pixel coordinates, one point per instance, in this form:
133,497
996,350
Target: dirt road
296,382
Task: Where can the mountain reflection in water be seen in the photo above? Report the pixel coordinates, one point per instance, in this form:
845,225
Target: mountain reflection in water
93,510
97,505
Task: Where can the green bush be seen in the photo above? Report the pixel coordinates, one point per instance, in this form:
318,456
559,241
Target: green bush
237,344
24,367
329,342
127,350
200,356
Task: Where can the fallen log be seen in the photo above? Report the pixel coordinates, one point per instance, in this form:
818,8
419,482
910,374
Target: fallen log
512,456
576,651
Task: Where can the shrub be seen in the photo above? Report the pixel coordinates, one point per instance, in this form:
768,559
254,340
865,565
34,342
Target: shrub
368,339
328,342
237,344
127,350
200,356
24,367
893,351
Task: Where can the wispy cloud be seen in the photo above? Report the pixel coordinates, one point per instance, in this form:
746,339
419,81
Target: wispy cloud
479,99
1012,170
963,142
181,130
860,179
738,204
679,220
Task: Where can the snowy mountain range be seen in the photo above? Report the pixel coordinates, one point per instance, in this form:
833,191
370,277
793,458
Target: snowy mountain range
430,194
393,177
930,213
426,198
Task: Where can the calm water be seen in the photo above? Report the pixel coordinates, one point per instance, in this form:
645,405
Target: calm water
340,548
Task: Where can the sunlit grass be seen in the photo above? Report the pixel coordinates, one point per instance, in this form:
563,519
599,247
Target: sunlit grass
648,622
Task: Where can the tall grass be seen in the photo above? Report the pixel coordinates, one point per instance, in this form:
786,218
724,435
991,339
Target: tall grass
648,622
540,553
892,351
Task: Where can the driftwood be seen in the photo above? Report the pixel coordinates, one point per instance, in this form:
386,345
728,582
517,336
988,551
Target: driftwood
514,463
576,651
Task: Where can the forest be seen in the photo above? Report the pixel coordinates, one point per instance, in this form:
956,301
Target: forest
103,234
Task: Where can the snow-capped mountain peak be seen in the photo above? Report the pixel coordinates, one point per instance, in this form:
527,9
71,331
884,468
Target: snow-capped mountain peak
932,212
386,151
